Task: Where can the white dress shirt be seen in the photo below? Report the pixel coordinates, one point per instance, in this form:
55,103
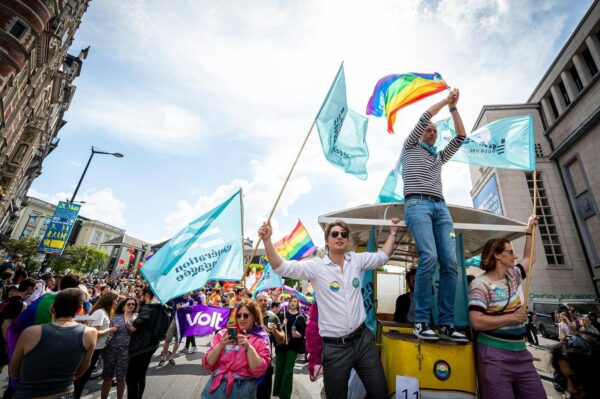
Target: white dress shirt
341,308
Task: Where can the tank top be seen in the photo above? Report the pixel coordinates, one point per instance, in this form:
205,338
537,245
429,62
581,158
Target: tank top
50,366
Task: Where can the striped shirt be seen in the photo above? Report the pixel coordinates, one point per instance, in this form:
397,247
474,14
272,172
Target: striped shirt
491,297
421,170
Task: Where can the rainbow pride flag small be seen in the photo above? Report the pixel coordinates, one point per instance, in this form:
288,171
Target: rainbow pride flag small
394,92
301,297
297,245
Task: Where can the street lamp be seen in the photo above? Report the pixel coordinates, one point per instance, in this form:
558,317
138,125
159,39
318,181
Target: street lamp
94,151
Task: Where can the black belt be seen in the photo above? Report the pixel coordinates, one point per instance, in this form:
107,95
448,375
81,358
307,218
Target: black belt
433,198
348,338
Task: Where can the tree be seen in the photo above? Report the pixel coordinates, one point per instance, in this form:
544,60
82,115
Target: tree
27,248
80,259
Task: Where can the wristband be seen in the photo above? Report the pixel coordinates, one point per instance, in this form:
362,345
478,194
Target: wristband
527,234
393,233
453,109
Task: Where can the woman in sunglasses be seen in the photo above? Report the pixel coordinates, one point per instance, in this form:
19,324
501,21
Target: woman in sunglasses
116,355
504,366
238,356
575,362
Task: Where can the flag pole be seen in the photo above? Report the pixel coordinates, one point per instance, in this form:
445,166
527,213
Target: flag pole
290,172
287,179
529,276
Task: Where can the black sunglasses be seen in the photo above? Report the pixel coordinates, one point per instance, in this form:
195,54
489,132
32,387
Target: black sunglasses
242,316
336,233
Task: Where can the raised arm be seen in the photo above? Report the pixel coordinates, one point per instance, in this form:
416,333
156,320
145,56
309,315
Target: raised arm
531,224
264,232
388,246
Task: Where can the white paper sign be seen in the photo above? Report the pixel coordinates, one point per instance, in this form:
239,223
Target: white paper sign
407,387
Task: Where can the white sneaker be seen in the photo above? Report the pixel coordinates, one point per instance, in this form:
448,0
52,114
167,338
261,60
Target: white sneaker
425,332
450,333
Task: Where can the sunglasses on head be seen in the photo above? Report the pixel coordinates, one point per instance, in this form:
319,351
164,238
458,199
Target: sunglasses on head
242,316
336,233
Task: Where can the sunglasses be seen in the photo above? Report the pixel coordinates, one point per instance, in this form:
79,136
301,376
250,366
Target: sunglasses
336,233
242,316
130,304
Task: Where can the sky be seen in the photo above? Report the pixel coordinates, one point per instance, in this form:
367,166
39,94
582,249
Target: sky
203,97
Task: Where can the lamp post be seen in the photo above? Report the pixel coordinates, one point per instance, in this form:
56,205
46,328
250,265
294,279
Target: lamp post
94,151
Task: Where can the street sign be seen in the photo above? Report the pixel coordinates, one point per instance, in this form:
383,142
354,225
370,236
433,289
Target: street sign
59,228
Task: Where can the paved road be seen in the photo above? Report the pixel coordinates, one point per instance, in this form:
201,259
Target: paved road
187,378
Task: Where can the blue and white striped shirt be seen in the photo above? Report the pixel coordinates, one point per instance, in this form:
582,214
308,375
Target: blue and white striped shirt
422,171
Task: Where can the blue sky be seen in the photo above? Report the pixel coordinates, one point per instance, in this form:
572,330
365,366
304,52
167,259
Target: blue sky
203,97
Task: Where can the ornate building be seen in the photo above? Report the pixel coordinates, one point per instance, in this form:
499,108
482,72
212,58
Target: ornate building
36,88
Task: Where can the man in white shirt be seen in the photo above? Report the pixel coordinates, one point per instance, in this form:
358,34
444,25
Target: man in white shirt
337,281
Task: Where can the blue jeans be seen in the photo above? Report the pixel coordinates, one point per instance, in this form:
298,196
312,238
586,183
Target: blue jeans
242,389
431,226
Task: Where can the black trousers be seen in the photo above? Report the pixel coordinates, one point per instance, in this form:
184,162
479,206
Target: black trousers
80,382
190,340
136,374
263,391
360,355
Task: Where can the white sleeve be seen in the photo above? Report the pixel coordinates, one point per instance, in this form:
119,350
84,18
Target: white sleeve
371,260
96,319
304,270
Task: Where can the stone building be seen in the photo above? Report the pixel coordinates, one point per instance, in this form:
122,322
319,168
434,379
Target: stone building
36,89
566,111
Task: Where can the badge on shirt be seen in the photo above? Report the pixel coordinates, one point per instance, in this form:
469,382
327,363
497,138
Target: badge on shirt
355,282
334,286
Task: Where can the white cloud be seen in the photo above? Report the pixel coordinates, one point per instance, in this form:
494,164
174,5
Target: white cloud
99,205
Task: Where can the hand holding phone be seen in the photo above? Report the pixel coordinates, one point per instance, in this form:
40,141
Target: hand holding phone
232,332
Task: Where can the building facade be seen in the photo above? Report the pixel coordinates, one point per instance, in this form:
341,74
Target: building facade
126,254
36,89
34,217
566,109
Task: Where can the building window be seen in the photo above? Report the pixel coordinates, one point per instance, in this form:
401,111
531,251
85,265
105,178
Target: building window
589,61
553,105
539,152
17,30
20,153
547,227
576,79
563,91
97,238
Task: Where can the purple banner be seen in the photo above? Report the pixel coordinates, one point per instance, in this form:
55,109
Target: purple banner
199,320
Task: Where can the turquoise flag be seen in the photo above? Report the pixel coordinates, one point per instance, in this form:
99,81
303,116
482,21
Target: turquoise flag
343,131
392,190
506,143
268,280
209,248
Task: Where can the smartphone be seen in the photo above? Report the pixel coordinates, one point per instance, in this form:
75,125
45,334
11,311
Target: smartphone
232,332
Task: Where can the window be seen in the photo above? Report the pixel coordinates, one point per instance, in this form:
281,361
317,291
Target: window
547,227
26,233
106,237
576,79
20,153
17,30
97,238
553,105
589,61
539,152
563,91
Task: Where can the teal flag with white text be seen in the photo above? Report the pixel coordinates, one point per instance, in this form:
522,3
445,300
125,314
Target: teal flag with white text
209,248
343,131
268,280
393,188
506,143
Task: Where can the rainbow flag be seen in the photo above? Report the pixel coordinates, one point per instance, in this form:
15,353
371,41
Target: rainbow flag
394,92
301,297
297,245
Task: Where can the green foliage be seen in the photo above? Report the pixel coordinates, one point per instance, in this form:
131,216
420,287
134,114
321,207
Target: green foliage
26,247
80,259
290,282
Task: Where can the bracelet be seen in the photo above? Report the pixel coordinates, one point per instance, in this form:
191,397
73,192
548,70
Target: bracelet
527,234
393,233
453,109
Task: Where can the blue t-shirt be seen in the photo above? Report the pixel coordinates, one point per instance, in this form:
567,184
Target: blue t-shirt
181,302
